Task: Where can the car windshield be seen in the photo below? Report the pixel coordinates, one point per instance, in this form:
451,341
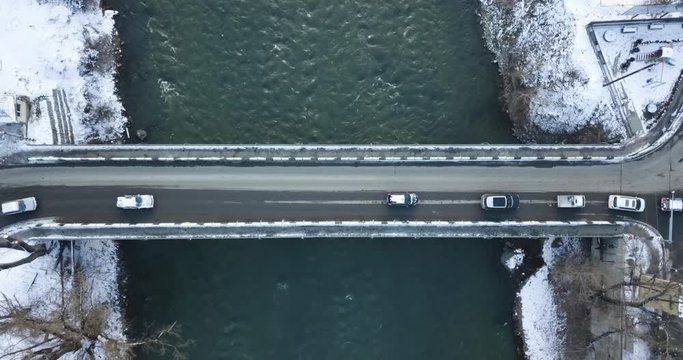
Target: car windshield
138,200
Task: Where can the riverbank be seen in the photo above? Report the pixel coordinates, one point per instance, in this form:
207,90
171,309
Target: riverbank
63,56
554,92
555,77
595,298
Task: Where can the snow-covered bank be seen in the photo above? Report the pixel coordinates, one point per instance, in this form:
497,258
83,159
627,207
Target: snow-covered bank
543,323
60,55
45,284
599,297
552,78
68,45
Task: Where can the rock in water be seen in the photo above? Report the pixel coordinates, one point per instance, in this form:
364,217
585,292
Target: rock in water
142,134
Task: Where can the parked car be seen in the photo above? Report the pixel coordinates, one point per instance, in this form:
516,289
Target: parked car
401,199
19,206
626,203
571,201
135,202
499,201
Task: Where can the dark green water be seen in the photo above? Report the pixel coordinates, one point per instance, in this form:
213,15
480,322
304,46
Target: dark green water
306,71
297,71
327,299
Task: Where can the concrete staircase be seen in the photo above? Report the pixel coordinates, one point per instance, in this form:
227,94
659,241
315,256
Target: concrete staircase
646,57
59,114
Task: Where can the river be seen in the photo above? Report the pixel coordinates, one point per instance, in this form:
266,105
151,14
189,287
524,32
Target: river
301,71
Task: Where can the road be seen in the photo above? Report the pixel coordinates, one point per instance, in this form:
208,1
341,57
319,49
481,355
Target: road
274,193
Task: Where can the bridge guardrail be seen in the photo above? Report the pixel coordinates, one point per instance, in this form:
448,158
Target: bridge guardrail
50,229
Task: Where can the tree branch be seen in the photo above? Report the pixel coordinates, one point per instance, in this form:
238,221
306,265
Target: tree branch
26,348
23,261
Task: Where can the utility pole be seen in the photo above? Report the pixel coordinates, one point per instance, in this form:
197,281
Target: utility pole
671,216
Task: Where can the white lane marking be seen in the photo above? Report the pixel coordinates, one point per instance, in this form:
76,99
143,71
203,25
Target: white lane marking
336,202
449,202
554,202
423,202
549,202
350,202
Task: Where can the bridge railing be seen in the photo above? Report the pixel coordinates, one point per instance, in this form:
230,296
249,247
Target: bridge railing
49,229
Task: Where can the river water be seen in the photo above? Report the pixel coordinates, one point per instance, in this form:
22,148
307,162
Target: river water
306,71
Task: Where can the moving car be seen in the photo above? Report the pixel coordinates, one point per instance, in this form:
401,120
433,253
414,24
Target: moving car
671,204
499,201
626,203
19,206
401,199
571,201
135,202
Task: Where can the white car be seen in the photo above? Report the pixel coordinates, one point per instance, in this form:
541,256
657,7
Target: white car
401,199
19,206
571,201
626,203
135,201
499,201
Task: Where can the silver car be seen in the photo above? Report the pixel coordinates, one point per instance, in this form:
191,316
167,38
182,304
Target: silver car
135,202
19,206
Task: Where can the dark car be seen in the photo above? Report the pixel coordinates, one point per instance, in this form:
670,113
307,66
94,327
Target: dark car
499,201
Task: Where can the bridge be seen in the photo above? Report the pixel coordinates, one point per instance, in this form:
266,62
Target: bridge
297,198
337,190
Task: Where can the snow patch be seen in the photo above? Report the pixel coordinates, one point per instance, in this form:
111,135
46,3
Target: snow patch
542,322
512,260
54,45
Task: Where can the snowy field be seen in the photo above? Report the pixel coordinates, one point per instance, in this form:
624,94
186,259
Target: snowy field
51,45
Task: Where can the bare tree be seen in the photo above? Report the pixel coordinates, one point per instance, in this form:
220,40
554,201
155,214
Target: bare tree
76,326
33,251
585,287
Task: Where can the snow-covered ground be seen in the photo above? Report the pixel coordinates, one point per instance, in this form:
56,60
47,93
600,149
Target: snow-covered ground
38,285
50,45
543,323
651,86
545,47
54,44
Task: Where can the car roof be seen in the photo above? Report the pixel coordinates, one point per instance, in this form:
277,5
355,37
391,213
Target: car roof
627,201
397,198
